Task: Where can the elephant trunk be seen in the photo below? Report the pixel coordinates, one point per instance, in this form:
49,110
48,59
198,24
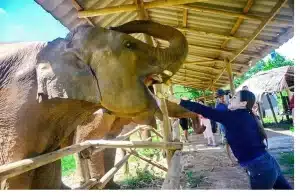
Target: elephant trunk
170,58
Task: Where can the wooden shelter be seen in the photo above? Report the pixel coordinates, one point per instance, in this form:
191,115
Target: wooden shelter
272,81
225,37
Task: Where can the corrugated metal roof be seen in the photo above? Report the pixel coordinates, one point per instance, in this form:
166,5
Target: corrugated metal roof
208,25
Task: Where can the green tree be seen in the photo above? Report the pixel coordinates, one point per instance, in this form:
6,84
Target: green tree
276,60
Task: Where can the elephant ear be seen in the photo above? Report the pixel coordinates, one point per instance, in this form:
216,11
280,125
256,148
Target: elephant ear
61,72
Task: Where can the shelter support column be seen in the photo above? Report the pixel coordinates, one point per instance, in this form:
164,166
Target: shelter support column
228,66
272,109
159,88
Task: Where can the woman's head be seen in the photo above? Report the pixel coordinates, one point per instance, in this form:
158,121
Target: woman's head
243,99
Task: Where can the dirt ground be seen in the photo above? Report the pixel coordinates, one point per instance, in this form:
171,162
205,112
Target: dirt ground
209,168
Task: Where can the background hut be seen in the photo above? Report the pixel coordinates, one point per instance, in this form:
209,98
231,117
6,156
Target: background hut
265,84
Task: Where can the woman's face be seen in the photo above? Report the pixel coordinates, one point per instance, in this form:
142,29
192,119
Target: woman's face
235,102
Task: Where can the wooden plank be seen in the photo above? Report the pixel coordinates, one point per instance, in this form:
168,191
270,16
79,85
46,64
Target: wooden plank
172,180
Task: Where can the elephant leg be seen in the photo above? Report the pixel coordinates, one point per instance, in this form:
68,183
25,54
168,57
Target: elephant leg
22,181
100,163
48,177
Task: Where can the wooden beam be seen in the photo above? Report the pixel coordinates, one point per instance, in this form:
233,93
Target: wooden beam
106,178
221,36
172,180
264,23
132,7
156,133
238,22
220,12
135,144
230,77
278,20
159,89
22,166
87,152
79,8
232,52
133,152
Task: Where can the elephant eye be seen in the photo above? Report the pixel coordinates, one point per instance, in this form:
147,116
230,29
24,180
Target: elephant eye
129,44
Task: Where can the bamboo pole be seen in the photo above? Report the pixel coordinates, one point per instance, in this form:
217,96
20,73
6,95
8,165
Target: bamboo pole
135,144
118,138
254,55
19,167
172,180
132,7
133,152
271,107
16,168
79,8
166,123
156,133
239,21
106,178
264,23
230,77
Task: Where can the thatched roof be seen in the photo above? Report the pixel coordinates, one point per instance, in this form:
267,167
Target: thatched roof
243,31
274,80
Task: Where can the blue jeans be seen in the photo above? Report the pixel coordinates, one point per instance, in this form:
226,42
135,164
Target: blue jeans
264,173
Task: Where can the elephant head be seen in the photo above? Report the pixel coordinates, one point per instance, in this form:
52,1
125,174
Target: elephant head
109,67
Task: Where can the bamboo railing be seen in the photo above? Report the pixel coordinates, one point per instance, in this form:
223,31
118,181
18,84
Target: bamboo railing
89,147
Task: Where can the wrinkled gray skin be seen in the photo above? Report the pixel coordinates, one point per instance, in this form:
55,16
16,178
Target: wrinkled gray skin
48,90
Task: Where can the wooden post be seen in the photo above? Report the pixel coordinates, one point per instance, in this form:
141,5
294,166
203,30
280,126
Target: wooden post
172,180
285,106
230,76
272,109
166,122
260,114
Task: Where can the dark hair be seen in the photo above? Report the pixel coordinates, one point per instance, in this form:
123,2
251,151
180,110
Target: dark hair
249,97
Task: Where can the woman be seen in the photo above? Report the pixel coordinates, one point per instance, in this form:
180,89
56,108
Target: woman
245,136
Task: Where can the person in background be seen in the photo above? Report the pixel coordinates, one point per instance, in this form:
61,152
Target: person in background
184,125
208,134
245,135
222,106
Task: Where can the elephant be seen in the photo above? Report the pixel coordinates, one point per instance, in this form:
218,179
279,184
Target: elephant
101,162
49,89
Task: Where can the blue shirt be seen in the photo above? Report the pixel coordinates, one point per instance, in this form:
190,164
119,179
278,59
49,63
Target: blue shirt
221,106
242,134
